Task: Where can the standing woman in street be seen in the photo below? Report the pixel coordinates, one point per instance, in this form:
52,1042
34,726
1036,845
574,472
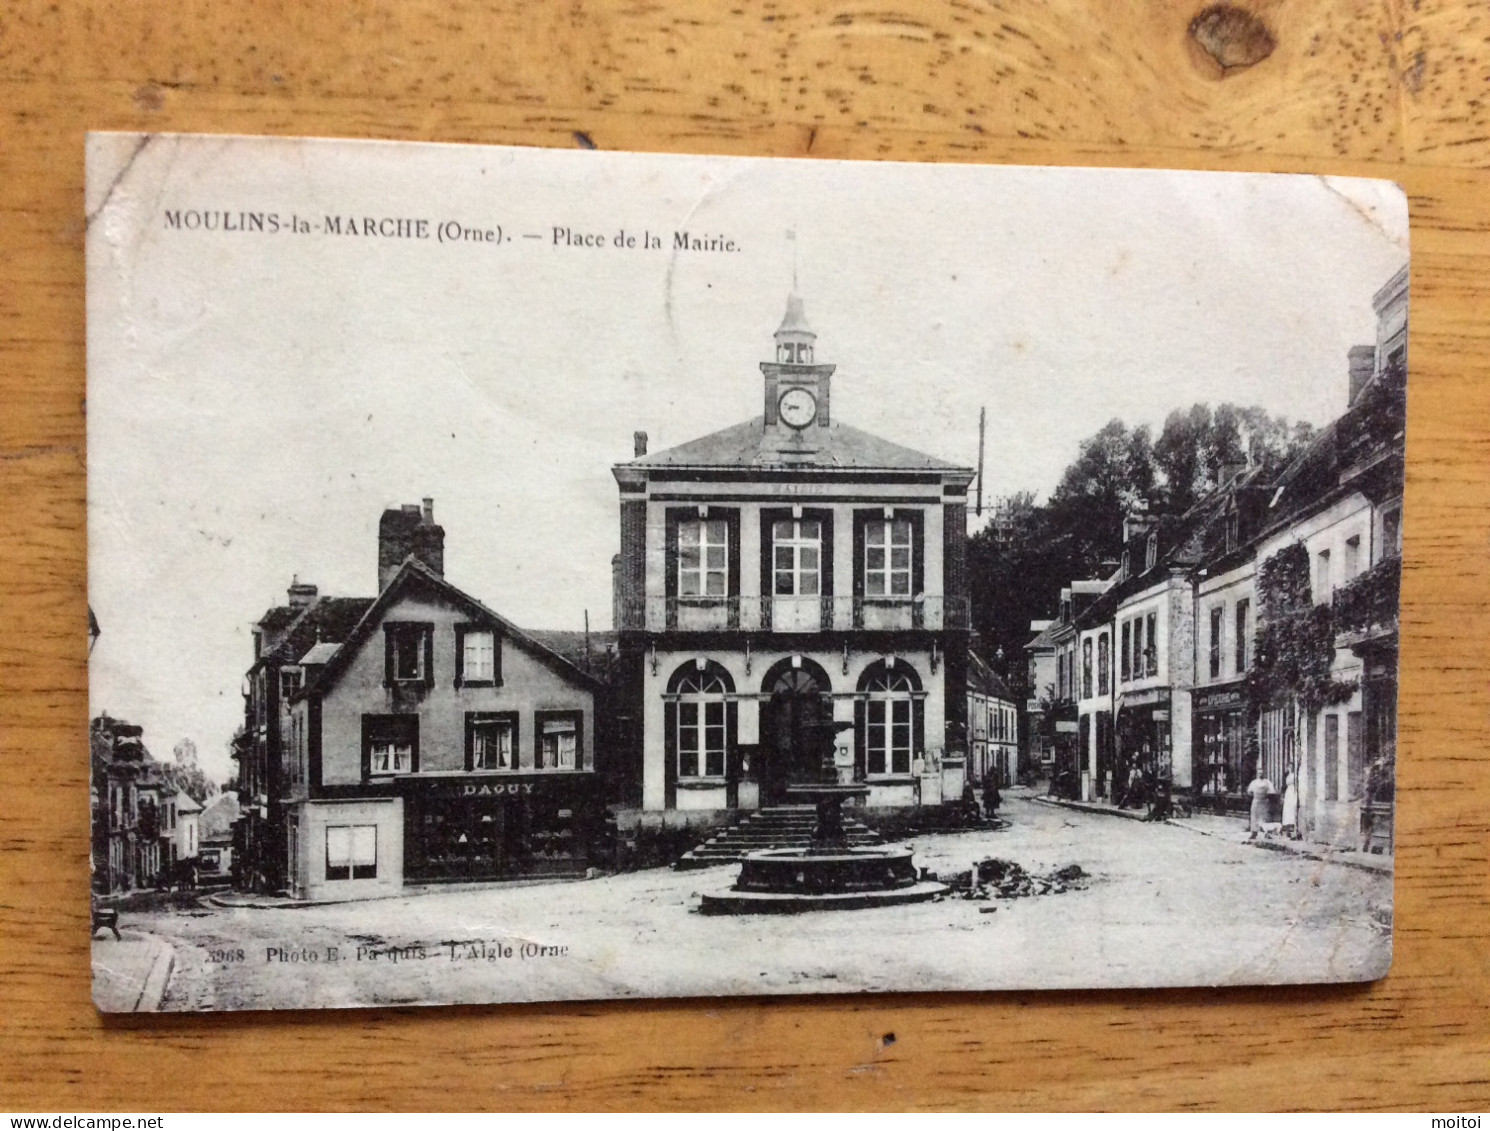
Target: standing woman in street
1259,789
1291,805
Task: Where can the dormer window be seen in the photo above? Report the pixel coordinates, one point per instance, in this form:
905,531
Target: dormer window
1151,552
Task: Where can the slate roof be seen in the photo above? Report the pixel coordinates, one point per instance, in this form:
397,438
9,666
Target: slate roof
324,620
1045,638
571,644
983,678
838,446
320,653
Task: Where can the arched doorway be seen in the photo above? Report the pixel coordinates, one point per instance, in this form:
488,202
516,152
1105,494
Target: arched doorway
791,727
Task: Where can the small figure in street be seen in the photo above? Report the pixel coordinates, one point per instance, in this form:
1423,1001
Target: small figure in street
1133,794
1259,789
1291,806
991,797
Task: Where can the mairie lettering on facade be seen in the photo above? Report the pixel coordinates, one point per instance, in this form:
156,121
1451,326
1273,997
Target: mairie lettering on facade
780,574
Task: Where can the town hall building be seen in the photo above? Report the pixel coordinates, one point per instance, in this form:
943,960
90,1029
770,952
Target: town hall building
784,573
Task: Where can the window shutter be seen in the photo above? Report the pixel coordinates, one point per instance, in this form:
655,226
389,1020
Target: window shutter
670,566
670,755
496,658
918,550
732,584
918,727
731,740
768,561
387,655
861,743
861,519
429,655
460,675
579,740
825,558
470,742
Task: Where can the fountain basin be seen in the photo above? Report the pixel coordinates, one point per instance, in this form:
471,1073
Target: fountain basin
790,880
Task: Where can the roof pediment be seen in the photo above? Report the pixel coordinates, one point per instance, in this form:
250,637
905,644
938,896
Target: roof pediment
750,445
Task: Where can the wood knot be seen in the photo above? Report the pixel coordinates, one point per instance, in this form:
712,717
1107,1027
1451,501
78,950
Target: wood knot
1229,39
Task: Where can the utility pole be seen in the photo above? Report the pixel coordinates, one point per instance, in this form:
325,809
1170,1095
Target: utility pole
982,428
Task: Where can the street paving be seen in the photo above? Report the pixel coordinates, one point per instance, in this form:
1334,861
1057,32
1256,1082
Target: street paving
1164,906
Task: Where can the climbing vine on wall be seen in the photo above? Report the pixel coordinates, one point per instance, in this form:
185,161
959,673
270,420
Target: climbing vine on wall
1295,639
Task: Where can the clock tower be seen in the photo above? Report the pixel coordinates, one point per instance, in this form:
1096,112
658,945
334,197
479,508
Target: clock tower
796,386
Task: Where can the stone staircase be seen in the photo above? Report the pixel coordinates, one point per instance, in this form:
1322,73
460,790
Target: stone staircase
784,826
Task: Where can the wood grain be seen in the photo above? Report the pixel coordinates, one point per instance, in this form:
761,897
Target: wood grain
1394,89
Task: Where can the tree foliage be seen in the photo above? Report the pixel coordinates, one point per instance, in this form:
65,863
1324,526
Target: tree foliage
1295,645
1017,571
185,776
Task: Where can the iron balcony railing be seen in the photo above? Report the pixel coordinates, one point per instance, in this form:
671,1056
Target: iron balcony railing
795,614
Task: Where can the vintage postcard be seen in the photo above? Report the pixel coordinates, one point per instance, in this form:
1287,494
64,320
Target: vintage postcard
524,574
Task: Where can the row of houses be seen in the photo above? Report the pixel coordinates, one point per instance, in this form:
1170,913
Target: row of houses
1253,637
779,580
147,833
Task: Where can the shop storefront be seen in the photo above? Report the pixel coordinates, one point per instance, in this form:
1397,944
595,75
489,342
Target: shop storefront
1224,755
488,827
1143,736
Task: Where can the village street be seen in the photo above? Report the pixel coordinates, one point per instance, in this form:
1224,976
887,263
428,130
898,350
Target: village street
1165,905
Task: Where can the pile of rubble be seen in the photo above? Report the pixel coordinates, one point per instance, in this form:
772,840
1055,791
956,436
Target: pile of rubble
1003,879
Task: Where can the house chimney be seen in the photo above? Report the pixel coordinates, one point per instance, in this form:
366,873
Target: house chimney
409,529
1138,522
300,594
639,441
1362,368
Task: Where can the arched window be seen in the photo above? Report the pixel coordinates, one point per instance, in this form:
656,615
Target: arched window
700,733
891,710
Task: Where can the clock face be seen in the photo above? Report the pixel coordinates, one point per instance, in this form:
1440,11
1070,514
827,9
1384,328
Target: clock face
797,407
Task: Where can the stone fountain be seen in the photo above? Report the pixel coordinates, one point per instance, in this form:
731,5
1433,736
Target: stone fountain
829,874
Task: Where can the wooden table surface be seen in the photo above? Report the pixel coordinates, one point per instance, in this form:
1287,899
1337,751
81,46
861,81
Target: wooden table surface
1397,88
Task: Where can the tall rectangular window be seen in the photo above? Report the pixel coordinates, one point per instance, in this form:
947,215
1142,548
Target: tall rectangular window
491,741
1355,753
1323,582
1331,756
408,652
1104,665
701,736
351,852
888,736
1151,644
478,656
1243,635
390,744
1391,532
558,743
703,558
1351,564
887,558
797,558
1125,656
1218,615
1086,668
